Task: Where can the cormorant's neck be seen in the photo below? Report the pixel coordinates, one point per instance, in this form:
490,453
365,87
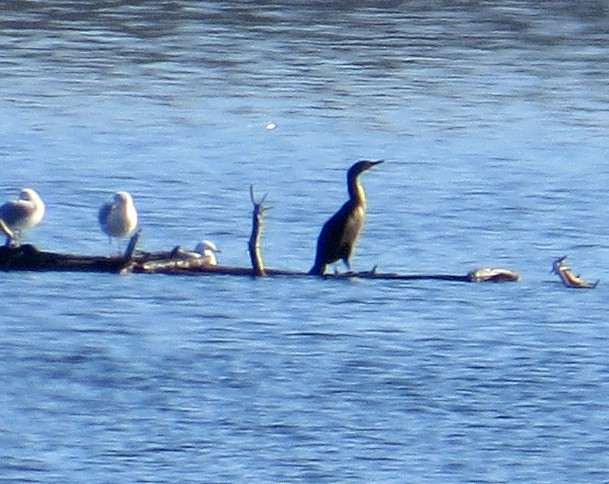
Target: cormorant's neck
356,190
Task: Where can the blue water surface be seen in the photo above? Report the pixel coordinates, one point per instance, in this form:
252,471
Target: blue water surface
492,119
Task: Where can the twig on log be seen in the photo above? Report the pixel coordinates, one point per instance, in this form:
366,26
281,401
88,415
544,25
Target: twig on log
128,259
568,278
131,246
254,242
10,236
28,258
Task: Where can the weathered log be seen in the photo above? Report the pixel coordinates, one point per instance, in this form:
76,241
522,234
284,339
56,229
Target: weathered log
28,258
130,250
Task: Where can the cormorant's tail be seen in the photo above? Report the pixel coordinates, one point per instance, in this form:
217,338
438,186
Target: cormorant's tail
317,269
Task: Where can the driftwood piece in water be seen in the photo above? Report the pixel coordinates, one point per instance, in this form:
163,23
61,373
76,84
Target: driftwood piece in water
29,258
568,278
10,237
254,242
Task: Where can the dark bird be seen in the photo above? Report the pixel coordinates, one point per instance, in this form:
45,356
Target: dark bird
339,234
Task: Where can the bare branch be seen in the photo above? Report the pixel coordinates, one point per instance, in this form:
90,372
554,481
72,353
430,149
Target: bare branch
10,236
254,242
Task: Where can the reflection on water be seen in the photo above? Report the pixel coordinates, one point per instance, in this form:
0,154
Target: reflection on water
492,117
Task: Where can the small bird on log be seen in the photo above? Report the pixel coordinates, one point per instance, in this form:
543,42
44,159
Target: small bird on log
22,214
339,234
208,251
118,218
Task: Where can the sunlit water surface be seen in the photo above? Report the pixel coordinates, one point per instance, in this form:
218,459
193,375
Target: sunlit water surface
493,119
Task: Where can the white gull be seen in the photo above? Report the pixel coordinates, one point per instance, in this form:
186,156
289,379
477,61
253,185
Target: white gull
207,250
118,218
23,213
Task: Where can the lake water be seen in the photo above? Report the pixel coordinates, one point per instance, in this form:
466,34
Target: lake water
493,118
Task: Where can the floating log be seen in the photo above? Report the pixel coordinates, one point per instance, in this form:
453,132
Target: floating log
179,262
182,267
28,258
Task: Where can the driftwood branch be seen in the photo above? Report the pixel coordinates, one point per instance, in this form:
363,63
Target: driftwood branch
130,250
29,258
484,274
254,242
568,278
10,237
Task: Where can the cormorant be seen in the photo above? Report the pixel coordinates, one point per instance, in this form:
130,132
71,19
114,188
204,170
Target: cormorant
23,213
339,234
118,218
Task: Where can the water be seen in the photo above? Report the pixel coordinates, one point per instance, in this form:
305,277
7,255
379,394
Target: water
492,118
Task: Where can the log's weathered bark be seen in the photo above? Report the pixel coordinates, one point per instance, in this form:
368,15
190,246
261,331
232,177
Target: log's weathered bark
483,274
28,258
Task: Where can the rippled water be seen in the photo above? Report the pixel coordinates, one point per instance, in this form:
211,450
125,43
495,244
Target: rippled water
492,117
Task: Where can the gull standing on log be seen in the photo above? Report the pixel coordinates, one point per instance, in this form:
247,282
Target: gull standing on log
208,251
118,218
22,214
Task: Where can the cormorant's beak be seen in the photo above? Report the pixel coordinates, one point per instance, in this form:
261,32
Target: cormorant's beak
370,163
